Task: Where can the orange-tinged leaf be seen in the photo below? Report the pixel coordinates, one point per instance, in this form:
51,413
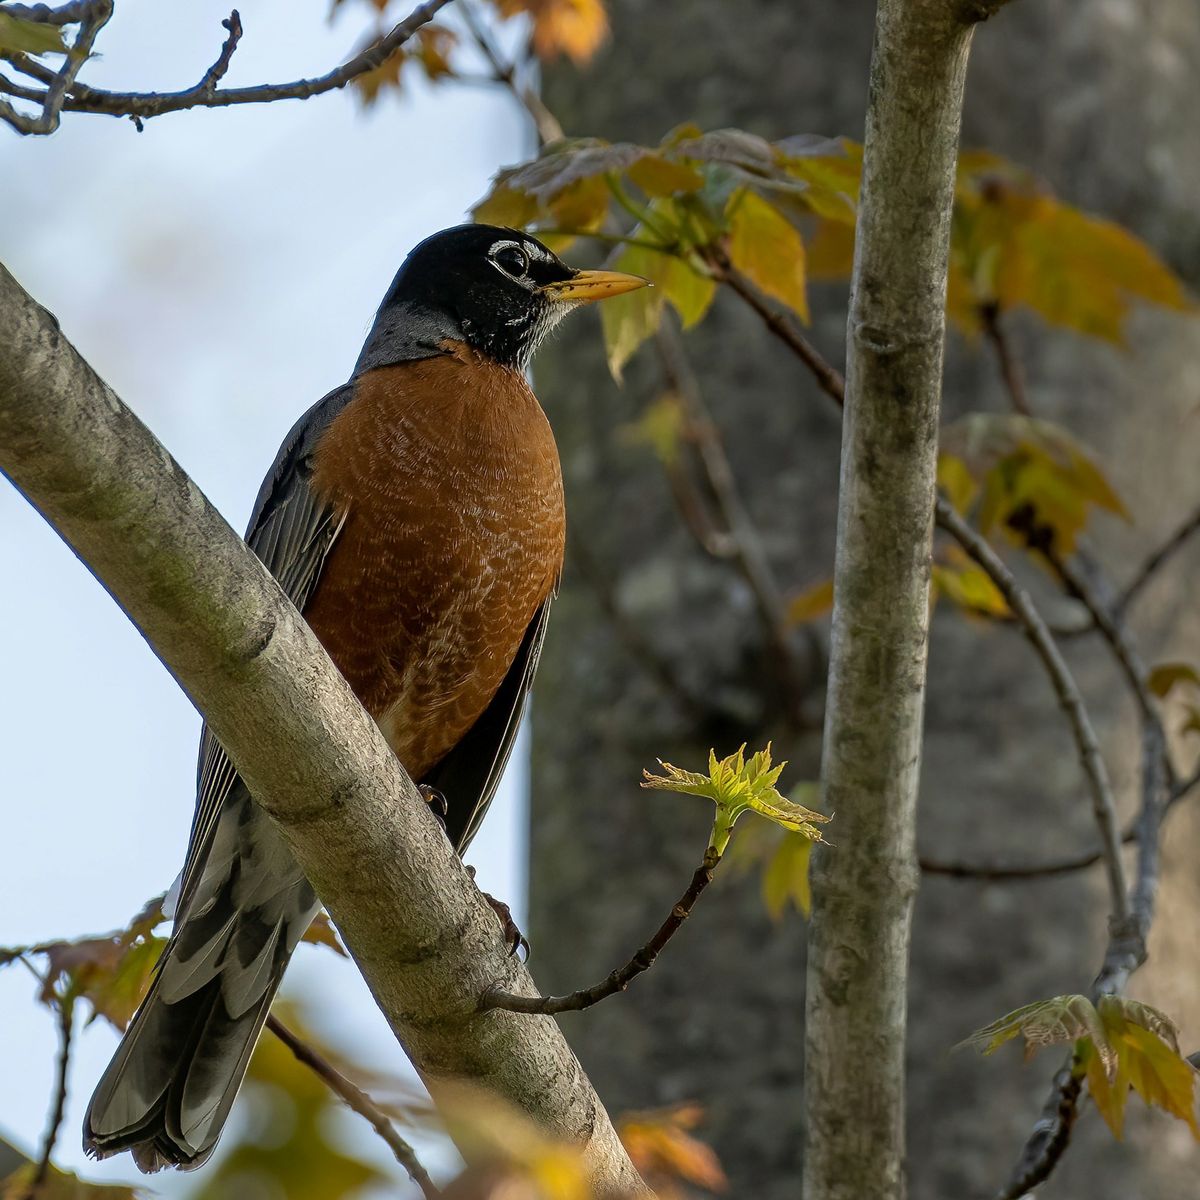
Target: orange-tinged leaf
811,603
765,246
322,933
663,1149
1163,678
576,28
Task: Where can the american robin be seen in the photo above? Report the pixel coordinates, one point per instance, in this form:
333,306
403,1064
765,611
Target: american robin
415,516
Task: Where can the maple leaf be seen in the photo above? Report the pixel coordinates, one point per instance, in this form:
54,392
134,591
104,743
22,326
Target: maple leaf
736,785
964,582
576,28
765,246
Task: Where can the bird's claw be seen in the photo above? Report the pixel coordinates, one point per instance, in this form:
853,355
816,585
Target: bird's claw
437,803
513,937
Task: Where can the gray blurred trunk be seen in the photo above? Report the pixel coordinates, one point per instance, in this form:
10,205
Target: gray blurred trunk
1101,101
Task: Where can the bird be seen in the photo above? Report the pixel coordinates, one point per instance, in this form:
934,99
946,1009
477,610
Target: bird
415,517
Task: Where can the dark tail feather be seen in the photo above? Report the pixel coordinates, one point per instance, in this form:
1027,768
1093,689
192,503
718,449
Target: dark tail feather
167,1093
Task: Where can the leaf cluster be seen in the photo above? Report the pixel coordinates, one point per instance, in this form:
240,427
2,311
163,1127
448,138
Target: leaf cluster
1119,1044
736,785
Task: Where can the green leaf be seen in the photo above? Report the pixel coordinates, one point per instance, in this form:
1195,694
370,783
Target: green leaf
785,880
1046,1023
736,785
21,36
1165,677
767,247
660,427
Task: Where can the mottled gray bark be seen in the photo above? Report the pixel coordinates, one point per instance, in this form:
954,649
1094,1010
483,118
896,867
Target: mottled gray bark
427,943
865,880
1100,101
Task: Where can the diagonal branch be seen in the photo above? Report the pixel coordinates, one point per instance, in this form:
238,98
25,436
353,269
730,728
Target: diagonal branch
426,941
144,105
66,1019
360,1102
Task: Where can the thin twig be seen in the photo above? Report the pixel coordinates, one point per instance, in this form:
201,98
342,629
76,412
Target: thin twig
360,1102
746,545
66,1014
781,323
1126,950
1069,697
215,73
144,105
1010,367
93,17
44,14
619,980
1150,567
544,121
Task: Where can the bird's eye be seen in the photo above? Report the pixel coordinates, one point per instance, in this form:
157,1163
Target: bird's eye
512,260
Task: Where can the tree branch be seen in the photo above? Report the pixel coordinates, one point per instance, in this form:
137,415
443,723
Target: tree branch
1069,697
1010,367
360,1102
144,105
1154,563
423,936
620,979
66,1017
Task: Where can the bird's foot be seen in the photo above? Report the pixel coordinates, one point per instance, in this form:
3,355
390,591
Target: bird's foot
437,803
516,941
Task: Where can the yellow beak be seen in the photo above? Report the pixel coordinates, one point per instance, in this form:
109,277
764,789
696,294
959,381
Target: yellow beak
585,286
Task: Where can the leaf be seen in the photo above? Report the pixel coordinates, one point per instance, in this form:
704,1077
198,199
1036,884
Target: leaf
659,176
737,785
1033,475
965,583
1017,245
322,933
1120,1044
1046,1023
660,427
662,1148
628,320
767,247
18,35
576,28
955,479
58,1184
811,603
1167,676
785,879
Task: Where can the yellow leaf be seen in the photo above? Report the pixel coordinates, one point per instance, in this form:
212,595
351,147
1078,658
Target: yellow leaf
811,603
767,247
955,479
786,876
576,28
830,251
663,1150
1166,676
968,585
659,176
1047,1023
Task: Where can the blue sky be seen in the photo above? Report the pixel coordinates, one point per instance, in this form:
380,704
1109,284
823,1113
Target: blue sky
220,270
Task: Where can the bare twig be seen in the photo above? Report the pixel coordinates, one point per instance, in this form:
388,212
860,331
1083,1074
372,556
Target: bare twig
215,73
92,17
144,105
1010,367
503,72
1069,697
1051,1133
66,1015
781,323
360,1102
620,979
1150,567
746,547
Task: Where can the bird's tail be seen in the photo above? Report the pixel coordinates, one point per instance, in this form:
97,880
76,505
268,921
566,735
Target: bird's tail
169,1088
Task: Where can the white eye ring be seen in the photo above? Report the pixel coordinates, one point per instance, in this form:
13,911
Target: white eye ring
517,264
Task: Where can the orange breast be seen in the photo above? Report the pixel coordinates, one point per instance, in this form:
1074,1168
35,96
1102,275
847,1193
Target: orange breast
449,476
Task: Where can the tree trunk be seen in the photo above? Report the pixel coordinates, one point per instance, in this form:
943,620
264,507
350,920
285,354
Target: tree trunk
1106,111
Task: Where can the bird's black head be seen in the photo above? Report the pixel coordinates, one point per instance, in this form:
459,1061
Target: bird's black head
499,290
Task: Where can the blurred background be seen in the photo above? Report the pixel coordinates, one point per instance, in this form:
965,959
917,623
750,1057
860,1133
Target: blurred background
220,271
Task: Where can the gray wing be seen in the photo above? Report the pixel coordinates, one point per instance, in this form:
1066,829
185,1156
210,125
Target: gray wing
470,773
292,532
